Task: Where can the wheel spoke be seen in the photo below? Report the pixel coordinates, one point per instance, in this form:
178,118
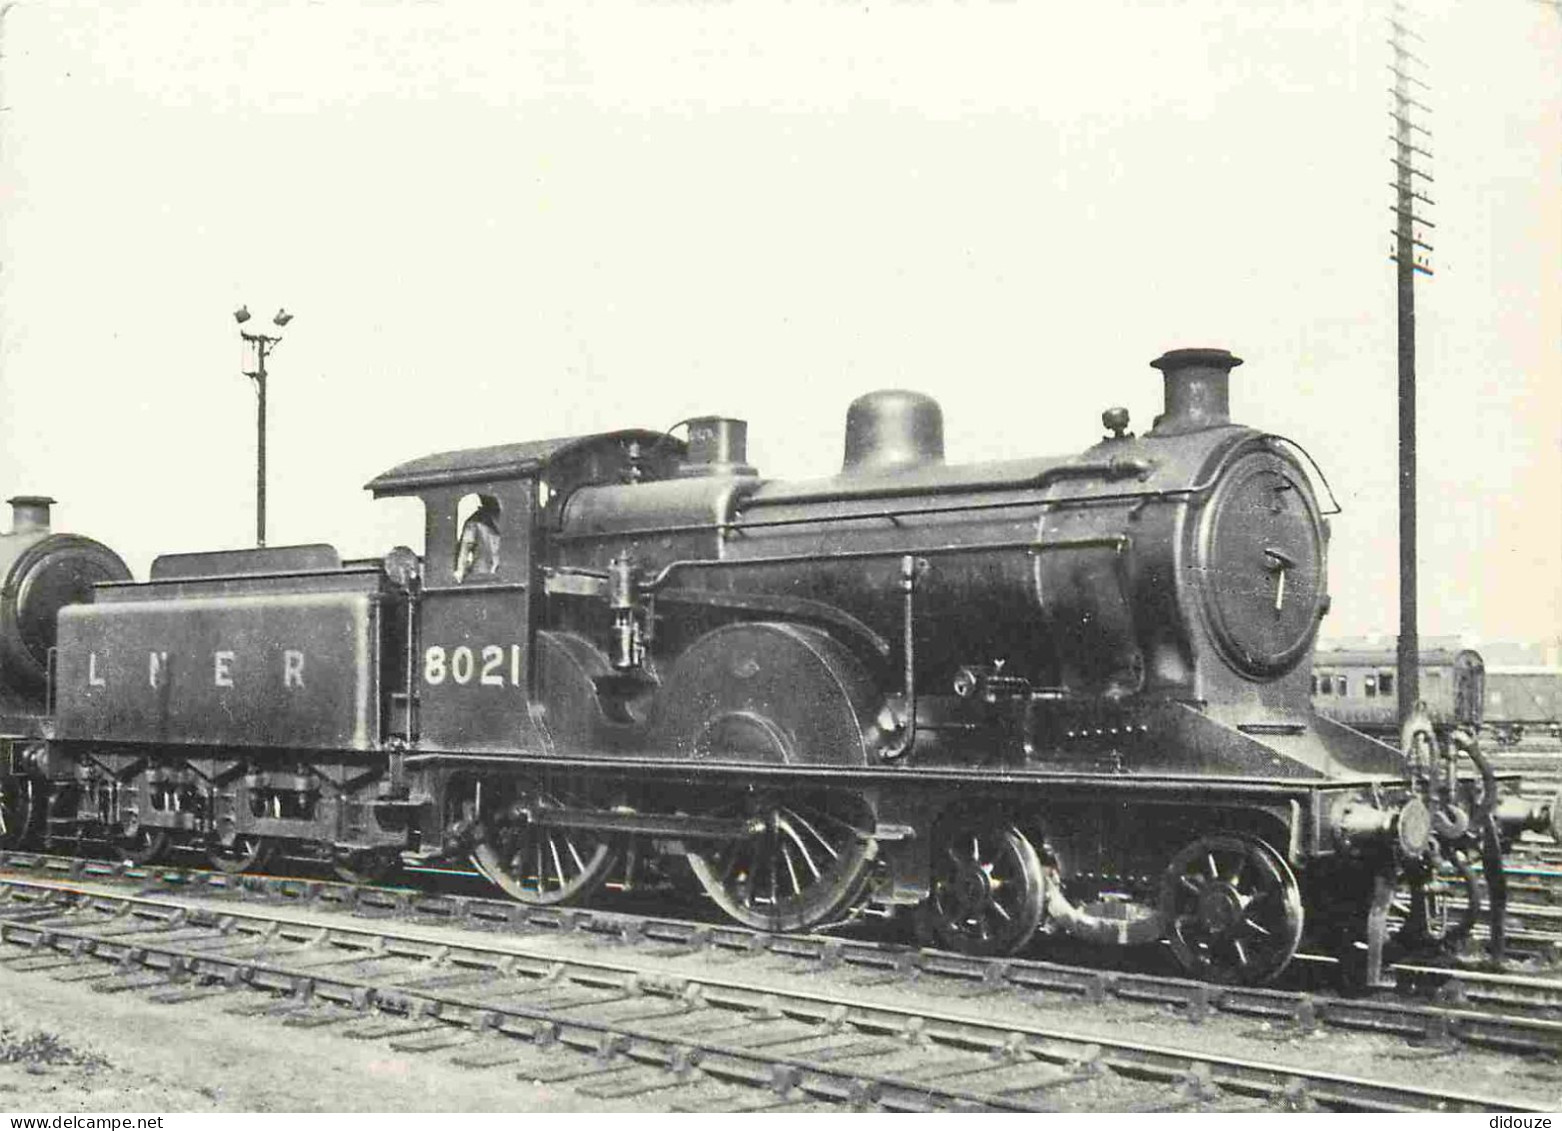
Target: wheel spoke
770,859
785,826
797,886
558,865
808,827
1257,927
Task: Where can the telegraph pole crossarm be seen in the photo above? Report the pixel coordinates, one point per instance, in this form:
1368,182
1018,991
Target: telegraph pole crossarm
260,345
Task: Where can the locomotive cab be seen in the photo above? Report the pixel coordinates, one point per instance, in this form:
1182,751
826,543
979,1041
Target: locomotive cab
486,518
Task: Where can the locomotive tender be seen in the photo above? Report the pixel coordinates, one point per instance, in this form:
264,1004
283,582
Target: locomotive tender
1064,695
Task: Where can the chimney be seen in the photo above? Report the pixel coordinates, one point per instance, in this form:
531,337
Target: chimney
30,513
893,429
1198,389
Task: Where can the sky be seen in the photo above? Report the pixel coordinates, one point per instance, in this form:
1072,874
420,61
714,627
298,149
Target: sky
505,221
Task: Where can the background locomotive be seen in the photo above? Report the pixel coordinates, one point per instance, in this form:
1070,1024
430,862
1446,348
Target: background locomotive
1067,694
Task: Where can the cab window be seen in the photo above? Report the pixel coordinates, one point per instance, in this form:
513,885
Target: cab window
477,545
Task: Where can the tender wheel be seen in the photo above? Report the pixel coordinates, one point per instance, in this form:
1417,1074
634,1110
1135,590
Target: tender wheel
1424,913
142,846
20,807
247,853
366,866
1232,909
807,864
543,866
988,890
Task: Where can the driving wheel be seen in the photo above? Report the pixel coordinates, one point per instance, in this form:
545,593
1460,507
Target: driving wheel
806,862
542,865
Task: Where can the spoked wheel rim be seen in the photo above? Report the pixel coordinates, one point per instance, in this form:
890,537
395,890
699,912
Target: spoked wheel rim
142,846
988,890
807,864
1232,908
19,796
543,866
247,853
365,865
1424,912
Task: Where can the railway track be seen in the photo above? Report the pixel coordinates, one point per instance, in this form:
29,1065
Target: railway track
1435,1007
610,1024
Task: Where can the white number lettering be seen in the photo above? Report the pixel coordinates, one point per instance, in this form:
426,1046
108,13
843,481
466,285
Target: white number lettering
292,668
493,660
93,678
155,663
222,675
461,664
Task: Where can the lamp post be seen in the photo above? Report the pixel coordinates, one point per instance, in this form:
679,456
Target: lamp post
256,346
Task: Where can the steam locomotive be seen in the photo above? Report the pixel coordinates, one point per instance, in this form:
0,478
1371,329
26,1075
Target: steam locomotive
1062,695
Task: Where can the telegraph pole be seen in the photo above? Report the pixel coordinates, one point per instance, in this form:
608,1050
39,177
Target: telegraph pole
258,345
1409,136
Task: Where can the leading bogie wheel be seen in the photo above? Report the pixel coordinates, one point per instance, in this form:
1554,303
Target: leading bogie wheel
1232,909
806,863
988,889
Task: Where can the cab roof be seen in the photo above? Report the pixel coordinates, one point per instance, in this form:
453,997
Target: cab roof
500,462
